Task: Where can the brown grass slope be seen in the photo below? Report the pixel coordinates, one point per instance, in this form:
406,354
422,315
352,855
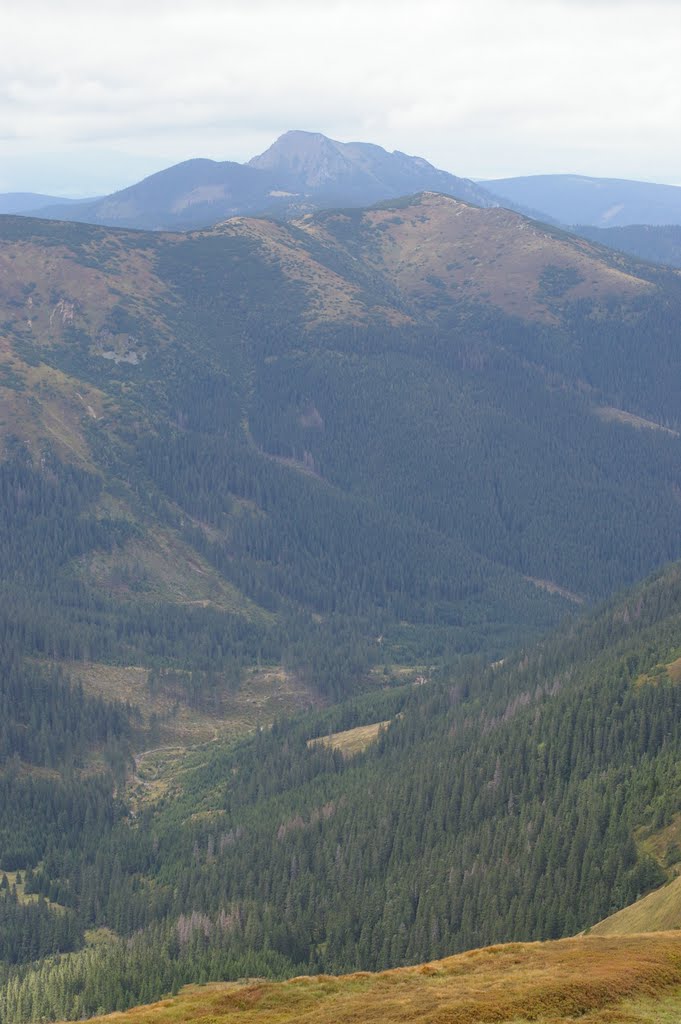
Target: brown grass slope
593,980
438,248
390,266
50,288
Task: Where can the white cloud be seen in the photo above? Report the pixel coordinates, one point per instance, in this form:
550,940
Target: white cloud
503,87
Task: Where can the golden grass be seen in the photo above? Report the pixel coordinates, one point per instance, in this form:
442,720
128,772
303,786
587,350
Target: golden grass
351,741
441,246
592,979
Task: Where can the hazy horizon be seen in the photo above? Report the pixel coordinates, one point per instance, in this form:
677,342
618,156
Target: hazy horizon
83,195
88,106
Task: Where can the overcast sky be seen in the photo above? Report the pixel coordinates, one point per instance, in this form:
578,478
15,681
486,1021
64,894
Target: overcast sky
95,96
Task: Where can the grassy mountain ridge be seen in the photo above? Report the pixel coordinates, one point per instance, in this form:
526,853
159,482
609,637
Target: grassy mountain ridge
631,980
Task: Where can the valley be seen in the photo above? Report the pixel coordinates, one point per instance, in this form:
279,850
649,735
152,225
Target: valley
339,621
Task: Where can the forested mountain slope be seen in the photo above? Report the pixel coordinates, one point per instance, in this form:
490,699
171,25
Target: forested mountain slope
511,803
657,243
409,434
429,423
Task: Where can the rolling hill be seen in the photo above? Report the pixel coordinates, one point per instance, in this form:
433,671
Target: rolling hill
23,202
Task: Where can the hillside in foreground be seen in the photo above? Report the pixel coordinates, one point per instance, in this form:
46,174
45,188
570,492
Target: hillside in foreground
595,980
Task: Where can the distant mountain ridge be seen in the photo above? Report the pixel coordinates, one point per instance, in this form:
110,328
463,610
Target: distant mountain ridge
304,171
24,202
299,173
601,202
657,243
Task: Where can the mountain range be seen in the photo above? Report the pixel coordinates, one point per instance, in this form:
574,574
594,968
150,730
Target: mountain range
25,202
601,202
300,172
315,648
304,171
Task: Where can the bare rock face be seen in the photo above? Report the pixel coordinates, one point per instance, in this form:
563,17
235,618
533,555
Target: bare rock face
308,157
311,162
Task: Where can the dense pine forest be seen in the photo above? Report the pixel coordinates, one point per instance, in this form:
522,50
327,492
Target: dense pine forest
502,803
334,454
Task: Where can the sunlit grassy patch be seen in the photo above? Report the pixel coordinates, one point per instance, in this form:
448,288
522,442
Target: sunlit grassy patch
594,980
351,741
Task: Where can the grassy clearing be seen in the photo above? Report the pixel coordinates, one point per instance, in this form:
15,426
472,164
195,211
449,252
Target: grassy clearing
161,567
22,895
170,729
262,696
610,414
668,671
351,741
596,980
